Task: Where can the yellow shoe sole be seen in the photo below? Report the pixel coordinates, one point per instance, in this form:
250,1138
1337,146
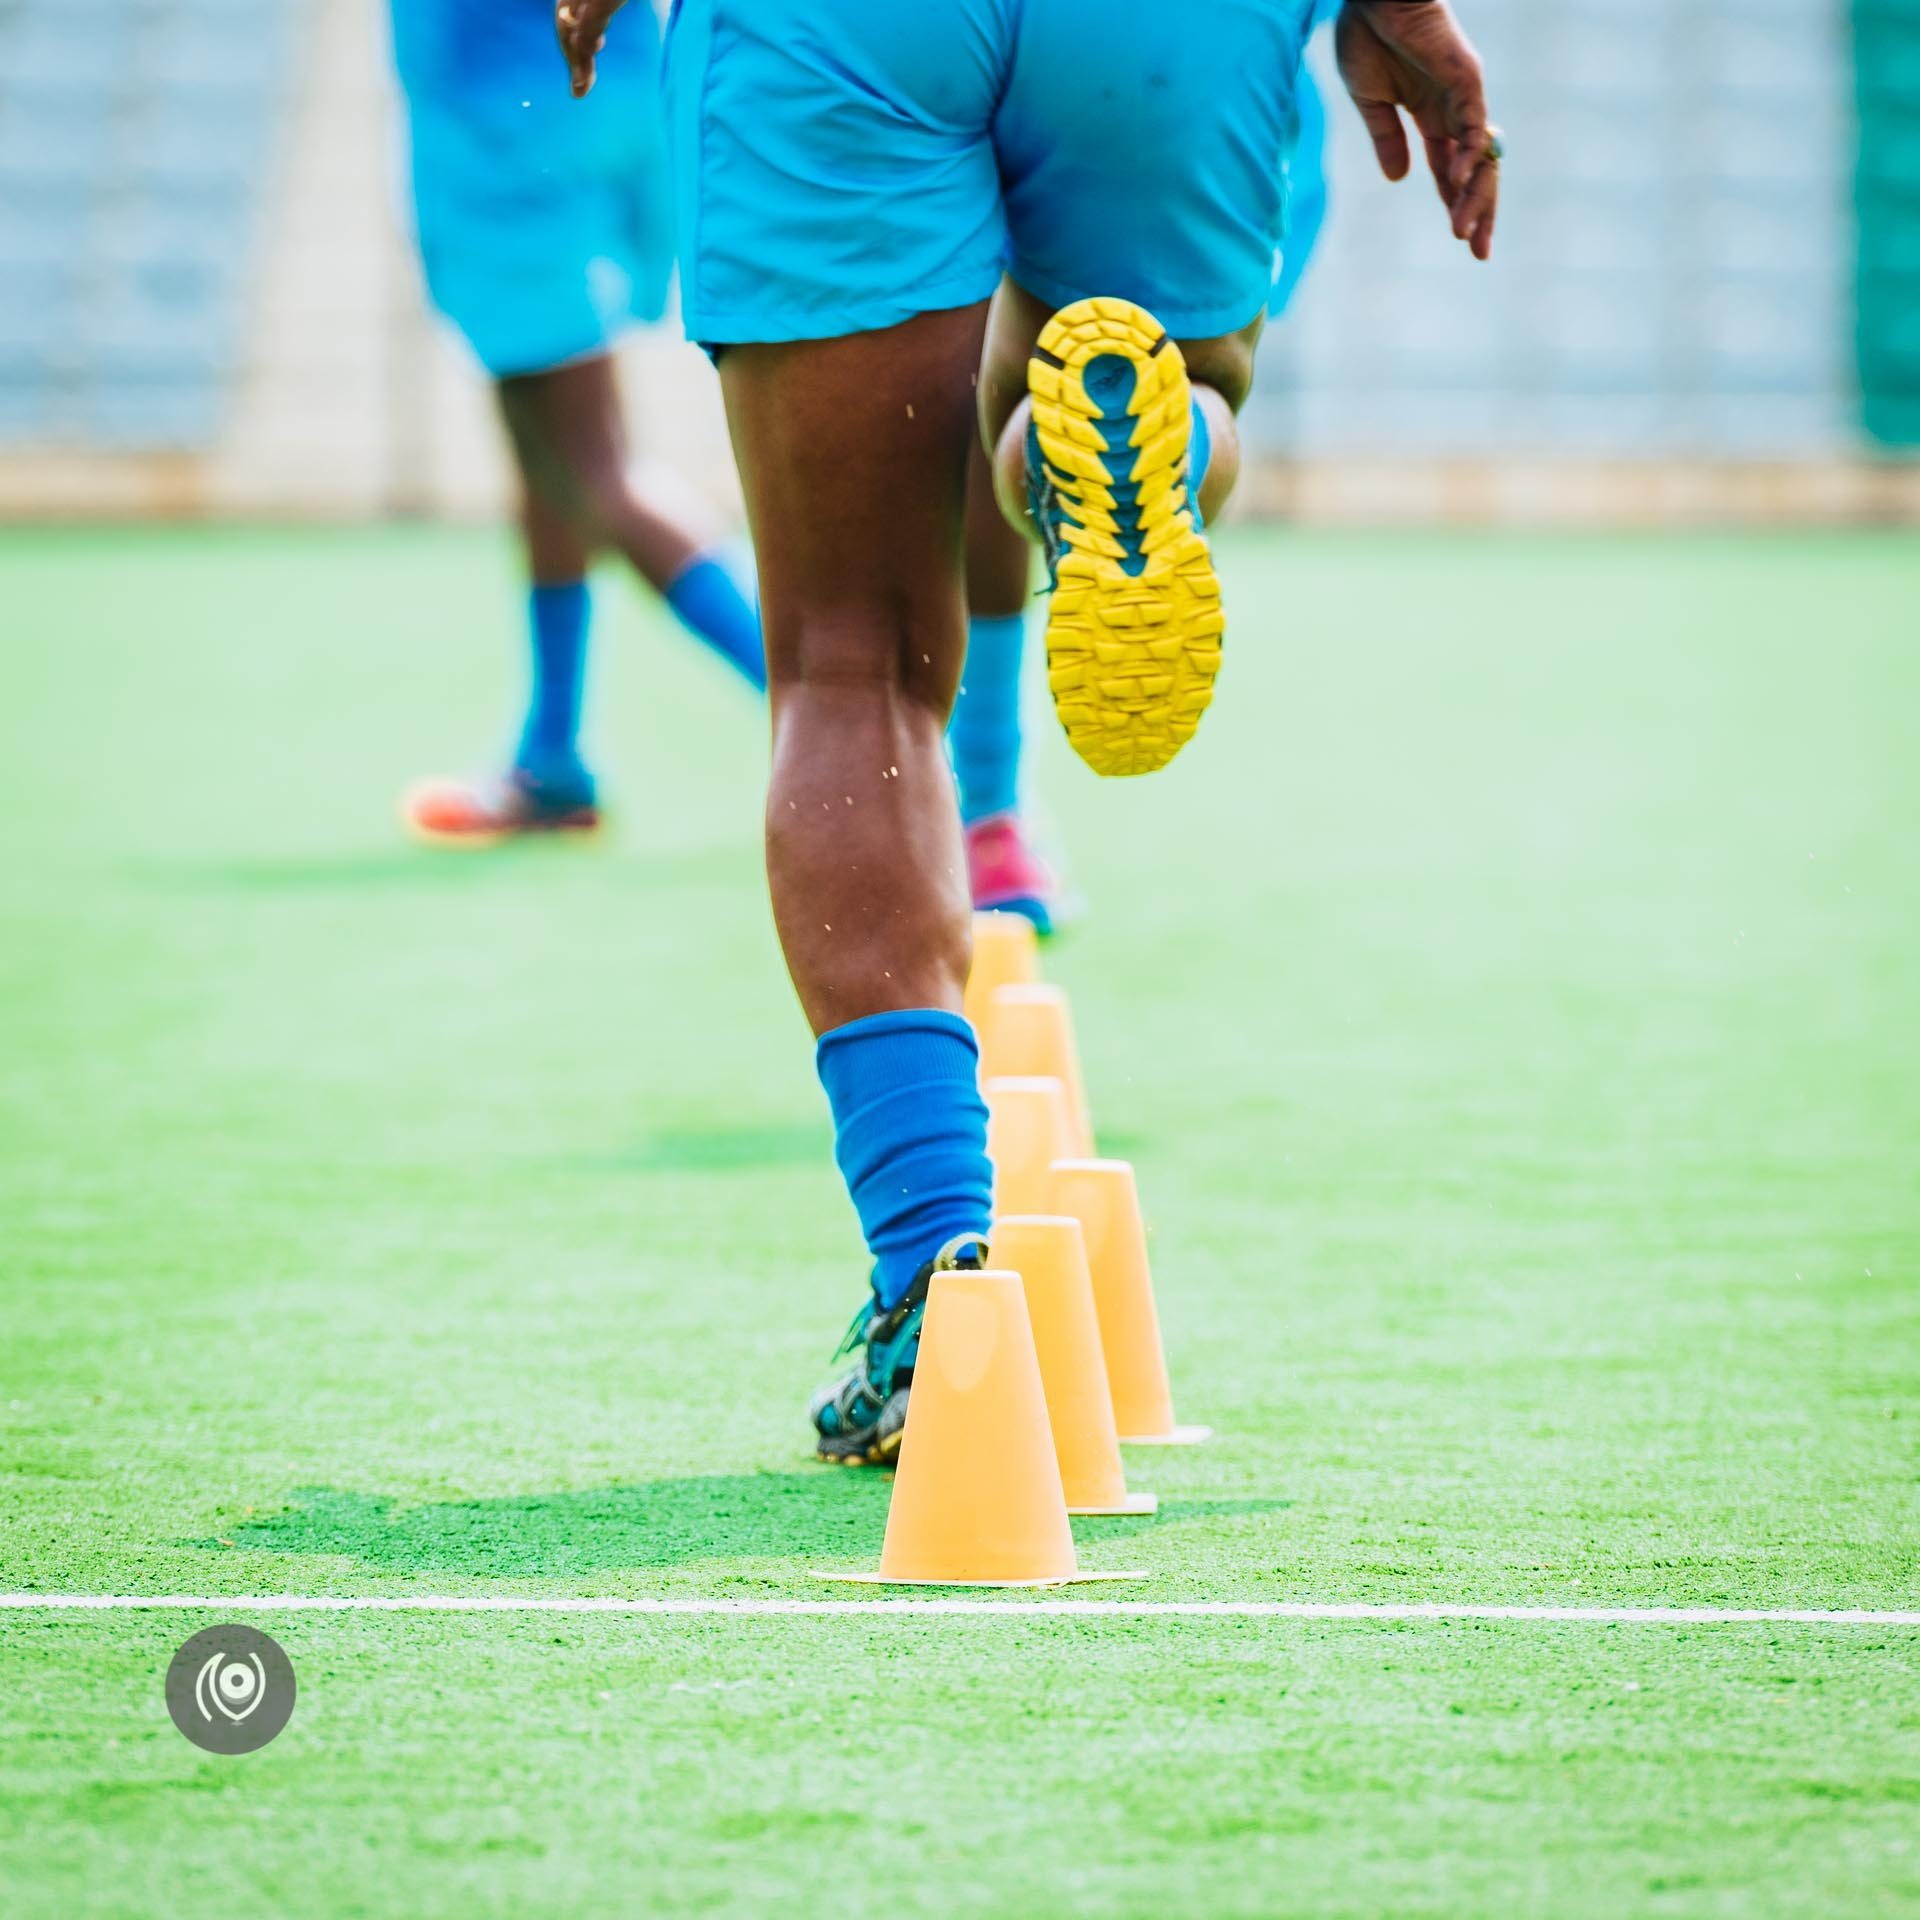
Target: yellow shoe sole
1135,623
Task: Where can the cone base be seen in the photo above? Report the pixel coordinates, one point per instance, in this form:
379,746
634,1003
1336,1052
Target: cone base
1173,1437
1080,1579
1128,1503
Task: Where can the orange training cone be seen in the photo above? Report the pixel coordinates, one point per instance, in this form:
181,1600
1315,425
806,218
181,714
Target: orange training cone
977,1501
1005,954
1029,1030
1028,1129
1050,1256
1100,1194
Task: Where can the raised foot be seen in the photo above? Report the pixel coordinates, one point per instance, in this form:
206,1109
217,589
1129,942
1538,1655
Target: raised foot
1135,624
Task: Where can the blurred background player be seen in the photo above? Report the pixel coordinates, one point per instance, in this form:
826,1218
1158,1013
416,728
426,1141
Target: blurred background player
544,228
1005,871
545,232
542,282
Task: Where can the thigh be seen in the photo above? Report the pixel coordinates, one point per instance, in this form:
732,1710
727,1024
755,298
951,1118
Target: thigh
833,162
1143,148
569,436
567,427
853,456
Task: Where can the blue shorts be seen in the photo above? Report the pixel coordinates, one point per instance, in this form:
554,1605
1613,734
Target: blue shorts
841,165
545,224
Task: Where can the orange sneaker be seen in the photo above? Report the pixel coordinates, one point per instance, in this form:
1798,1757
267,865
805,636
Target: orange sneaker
482,813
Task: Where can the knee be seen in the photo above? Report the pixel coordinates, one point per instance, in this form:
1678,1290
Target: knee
1009,460
587,495
599,499
866,660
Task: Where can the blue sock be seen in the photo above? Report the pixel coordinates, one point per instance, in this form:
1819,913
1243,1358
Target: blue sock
910,1134
558,618
710,605
984,735
1199,454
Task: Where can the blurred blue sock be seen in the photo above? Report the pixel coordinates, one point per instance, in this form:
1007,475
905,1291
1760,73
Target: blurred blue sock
984,735
710,605
558,619
910,1134
1199,455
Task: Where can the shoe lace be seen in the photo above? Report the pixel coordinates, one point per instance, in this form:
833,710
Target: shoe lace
1045,504
855,1336
952,1258
949,1260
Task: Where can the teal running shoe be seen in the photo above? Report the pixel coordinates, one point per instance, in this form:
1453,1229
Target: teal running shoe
859,1415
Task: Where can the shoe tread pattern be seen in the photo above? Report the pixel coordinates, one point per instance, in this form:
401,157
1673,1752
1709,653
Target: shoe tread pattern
1133,637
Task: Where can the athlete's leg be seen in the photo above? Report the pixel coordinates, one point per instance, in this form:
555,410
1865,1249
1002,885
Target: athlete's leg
842,236
1220,370
1103,450
539,279
865,625
547,787
861,584
999,566
1004,873
985,735
556,555
569,436
559,618
569,444
1139,154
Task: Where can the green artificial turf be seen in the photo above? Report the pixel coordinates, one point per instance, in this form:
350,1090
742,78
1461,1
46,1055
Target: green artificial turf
1511,1004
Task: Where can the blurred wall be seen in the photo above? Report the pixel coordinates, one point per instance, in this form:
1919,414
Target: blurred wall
1673,272
1887,202
342,396
1669,330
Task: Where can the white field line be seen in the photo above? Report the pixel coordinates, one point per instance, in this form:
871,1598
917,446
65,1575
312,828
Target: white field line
697,1608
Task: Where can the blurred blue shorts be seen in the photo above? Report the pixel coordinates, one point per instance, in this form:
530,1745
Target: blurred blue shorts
842,165
544,223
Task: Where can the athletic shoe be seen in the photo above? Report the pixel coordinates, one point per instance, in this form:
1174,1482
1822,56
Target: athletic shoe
1135,623
1007,876
482,813
859,1415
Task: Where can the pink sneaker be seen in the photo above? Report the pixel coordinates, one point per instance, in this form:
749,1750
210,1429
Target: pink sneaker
1007,876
